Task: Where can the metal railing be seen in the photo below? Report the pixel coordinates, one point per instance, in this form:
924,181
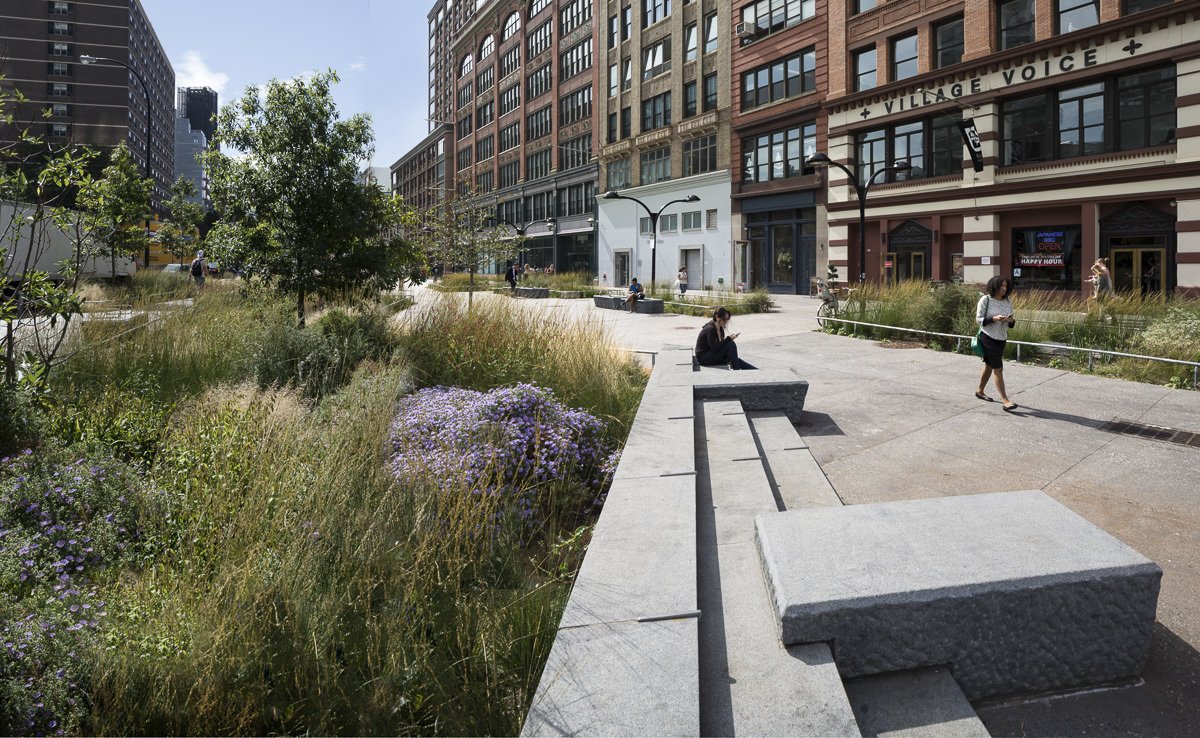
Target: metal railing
1091,352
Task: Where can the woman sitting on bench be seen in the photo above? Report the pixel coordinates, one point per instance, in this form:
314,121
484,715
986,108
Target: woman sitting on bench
715,346
635,293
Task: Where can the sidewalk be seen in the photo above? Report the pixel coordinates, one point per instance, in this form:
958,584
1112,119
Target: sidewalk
894,424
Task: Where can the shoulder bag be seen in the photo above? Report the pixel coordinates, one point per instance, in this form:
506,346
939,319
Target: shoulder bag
976,341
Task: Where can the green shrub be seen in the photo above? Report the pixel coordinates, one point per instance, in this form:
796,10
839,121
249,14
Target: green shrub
21,424
1175,335
126,419
759,301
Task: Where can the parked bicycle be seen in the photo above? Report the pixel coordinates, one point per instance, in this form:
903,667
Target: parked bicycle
829,303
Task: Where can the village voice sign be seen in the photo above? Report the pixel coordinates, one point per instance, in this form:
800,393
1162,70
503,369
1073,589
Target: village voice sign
1013,76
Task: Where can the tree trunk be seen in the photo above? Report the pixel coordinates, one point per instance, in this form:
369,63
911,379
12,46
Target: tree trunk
471,289
10,361
300,308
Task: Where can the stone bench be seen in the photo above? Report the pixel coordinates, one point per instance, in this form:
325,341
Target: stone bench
1013,591
567,294
535,292
617,302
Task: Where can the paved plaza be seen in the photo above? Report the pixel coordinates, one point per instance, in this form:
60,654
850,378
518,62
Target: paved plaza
890,424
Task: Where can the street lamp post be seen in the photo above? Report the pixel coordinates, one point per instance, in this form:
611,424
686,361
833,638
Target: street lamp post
551,226
654,216
88,59
861,190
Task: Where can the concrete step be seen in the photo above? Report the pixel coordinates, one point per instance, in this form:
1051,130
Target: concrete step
924,703
794,474
750,684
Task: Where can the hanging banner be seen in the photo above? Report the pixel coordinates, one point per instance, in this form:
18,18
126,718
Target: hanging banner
971,138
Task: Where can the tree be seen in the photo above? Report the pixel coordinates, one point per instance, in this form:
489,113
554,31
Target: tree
117,204
179,234
293,210
466,236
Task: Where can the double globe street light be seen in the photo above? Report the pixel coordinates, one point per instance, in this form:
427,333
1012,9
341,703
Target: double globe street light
551,226
819,159
654,216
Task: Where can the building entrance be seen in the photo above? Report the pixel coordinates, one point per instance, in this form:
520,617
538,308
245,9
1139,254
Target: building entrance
783,249
1137,270
907,257
621,273
1140,244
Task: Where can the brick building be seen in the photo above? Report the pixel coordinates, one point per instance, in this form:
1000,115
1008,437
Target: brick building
100,104
664,117
1088,115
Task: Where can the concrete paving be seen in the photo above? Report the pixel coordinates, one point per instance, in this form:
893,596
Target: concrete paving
897,424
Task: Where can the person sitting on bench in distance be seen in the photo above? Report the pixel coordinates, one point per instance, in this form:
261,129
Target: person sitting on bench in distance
635,293
716,346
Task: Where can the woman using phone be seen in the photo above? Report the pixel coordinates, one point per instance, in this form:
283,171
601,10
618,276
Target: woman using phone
715,345
994,314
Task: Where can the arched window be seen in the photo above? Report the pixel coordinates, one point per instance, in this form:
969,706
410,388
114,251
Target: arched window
511,26
486,48
468,63
538,6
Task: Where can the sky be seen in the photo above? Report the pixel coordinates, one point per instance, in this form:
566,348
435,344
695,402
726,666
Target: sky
377,47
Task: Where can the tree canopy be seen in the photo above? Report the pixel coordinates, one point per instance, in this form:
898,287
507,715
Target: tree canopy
293,209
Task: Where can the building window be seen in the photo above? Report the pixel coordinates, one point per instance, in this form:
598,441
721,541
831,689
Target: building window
576,152
1131,111
510,62
904,57
510,174
700,156
465,95
710,92
575,14
60,89
1049,257
614,80
538,165
948,43
539,123
784,78
60,29
60,8
710,219
487,47
626,22
485,148
644,226
656,58
483,181
485,114
711,39
654,10
58,130
61,109
932,147
692,221
768,16
778,154
485,79
626,122
464,158
690,102
60,69
668,223
540,40
1076,14
577,199
538,6
862,6
511,25
689,42
614,31
1016,23
656,112
864,69
656,165
575,60
510,99
464,126
58,49
626,74
510,137
618,176
1129,7
575,106
612,128
540,82
468,64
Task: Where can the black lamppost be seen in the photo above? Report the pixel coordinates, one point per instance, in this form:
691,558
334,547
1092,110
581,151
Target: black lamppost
551,226
819,159
88,59
615,195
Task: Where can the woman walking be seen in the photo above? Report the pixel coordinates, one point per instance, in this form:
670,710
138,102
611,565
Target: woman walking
994,314
715,346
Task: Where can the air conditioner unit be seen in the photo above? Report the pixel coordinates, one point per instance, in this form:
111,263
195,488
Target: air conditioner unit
745,30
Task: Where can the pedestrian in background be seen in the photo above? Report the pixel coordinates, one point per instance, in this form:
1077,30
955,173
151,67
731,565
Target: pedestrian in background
681,280
994,314
199,268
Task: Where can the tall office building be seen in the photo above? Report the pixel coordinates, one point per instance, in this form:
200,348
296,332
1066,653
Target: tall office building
189,145
199,106
664,111
99,104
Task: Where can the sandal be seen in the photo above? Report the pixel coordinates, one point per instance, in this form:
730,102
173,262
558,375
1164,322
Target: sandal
1010,408
984,397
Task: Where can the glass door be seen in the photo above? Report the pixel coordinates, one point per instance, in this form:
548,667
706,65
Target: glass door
621,269
783,256
1150,270
1139,271
889,267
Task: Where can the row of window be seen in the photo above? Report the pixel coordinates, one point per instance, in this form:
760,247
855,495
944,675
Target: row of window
657,110
576,199
699,156
693,220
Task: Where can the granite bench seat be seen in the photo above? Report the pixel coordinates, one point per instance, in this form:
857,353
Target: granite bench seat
1013,591
533,292
650,305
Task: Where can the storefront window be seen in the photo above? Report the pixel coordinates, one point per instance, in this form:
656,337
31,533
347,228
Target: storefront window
1047,257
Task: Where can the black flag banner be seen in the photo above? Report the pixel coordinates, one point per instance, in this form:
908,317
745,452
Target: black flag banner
971,137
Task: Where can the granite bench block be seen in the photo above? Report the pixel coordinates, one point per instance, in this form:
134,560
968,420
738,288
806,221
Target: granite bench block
620,679
534,292
786,395
1014,591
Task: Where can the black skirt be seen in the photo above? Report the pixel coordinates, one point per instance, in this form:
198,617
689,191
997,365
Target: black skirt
993,351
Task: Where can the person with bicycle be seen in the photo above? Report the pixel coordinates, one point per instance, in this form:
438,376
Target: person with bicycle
994,314
715,345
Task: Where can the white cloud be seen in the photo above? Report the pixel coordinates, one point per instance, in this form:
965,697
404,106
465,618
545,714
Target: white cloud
359,64
194,72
